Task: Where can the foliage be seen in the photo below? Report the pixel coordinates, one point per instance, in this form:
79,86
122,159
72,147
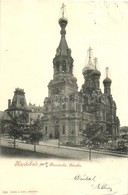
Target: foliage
35,136
94,135
37,124
35,133
15,131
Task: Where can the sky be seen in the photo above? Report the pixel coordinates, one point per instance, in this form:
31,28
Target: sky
30,34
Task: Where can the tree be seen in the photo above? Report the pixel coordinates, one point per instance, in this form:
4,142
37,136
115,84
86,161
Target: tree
15,132
94,136
35,133
35,137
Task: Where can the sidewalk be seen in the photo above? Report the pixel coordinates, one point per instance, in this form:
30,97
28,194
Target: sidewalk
51,147
54,143
105,152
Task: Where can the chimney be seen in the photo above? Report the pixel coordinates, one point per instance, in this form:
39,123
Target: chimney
9,103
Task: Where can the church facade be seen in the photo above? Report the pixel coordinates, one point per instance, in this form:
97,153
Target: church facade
66,110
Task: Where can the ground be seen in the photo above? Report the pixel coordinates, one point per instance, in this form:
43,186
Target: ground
14,152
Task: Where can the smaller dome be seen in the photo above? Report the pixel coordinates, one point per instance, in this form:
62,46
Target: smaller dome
63,21
107,80
96,73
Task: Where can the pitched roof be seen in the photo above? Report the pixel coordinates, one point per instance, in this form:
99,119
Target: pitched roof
1,114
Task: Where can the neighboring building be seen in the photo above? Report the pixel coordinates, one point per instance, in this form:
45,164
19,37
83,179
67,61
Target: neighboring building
67,111
36,112
18,111
124,132
1,119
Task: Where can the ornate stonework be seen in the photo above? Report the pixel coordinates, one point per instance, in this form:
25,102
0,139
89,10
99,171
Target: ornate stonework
67,111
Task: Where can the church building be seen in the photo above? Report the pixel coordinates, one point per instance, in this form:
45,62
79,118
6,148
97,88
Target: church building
66,110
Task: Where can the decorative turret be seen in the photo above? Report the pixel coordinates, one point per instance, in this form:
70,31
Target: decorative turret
17,108
19,100
107,83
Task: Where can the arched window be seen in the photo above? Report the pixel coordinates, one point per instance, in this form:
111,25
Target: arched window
64,66
64,106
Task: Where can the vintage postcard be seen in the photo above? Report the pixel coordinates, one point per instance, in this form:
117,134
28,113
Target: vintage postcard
64,96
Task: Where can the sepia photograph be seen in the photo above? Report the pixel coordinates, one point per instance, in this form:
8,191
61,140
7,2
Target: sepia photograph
63,97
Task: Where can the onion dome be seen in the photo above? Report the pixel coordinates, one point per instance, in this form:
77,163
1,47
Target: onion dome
107,80
90,65
63,21
96,73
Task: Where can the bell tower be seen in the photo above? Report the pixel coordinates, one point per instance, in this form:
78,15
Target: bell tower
63,79
63,107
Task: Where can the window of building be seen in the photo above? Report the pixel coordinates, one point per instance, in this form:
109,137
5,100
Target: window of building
64,106
64,66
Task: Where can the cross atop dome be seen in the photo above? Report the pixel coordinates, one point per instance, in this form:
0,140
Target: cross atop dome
63,9
90,53
63,49
107,70
89,65
63,20
96,72
95,62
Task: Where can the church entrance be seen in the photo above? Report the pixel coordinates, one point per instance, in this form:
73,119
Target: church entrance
57,132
